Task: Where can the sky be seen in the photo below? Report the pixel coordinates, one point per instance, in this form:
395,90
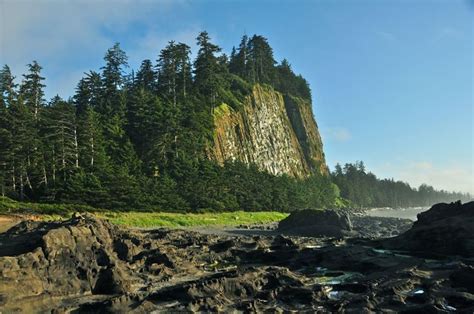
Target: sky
392,80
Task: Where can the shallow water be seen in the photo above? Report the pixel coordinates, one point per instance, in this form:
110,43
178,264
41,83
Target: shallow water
406,213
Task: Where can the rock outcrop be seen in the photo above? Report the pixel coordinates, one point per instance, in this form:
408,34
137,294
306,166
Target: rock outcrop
87,265
277,133
317,223
61,259
445,229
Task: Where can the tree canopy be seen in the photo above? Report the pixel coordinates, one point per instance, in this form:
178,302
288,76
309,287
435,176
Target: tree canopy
127,140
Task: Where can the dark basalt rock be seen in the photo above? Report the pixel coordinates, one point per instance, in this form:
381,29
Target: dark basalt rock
87,265
445,229
60,259
317,223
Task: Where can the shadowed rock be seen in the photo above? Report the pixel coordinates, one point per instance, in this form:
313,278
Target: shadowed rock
317,223
445,229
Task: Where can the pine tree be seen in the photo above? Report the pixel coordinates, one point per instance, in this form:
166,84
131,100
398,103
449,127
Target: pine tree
143,117
92,156
7,98
174,72
32,174
239,60
184,79
261,64
112,81
22,148
207,69
60,139
88,92
146,76
32,89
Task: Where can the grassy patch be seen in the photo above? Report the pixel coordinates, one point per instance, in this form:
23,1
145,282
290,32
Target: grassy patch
221,111
48,212
9,206
146,220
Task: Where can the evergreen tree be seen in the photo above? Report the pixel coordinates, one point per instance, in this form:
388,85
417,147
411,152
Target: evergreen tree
146,77
174,72
60,144
239,60
144,115
7,97
207,69
261,64
112,81
92,156
7,87
88,92
22,147
33,174
290,83
32,89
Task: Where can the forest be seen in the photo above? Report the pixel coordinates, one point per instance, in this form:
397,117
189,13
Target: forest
138,139
364,189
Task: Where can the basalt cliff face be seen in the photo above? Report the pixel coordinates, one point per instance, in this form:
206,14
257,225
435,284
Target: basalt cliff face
277,133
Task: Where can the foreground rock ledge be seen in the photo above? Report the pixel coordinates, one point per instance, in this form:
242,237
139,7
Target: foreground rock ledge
445,229
89,265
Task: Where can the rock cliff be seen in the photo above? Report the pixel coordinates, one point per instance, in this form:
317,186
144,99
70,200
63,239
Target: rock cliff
277,133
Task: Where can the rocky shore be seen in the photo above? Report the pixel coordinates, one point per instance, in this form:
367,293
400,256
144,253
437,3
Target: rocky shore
374,264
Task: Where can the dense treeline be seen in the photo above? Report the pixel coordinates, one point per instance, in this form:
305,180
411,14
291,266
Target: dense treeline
139,139
364,189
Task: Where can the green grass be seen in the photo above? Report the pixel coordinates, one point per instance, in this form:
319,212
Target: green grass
50,212
146,220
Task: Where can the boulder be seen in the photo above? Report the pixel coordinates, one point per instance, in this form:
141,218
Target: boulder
74,257
317,223
445,229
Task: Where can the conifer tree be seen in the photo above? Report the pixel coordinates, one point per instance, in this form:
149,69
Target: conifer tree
207,69
112,81
32,89
22,148
146,76
7,97
88,92
238,62
60,143
260,62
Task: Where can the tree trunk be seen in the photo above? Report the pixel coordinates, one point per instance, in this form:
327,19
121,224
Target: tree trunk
76,147
22,195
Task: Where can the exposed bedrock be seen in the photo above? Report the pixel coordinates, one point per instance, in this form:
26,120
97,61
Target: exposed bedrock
445,229
89,265
316,223
277,133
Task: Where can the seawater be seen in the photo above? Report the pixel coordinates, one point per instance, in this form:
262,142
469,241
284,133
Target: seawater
406,213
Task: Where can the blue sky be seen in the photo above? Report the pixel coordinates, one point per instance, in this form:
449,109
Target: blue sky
392,80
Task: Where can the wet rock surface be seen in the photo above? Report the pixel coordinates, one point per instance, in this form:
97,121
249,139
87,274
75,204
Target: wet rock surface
89,265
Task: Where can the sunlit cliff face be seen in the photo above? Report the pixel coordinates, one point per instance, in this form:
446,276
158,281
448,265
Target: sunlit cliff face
277,133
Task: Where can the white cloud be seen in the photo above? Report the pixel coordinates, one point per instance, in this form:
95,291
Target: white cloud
70,37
